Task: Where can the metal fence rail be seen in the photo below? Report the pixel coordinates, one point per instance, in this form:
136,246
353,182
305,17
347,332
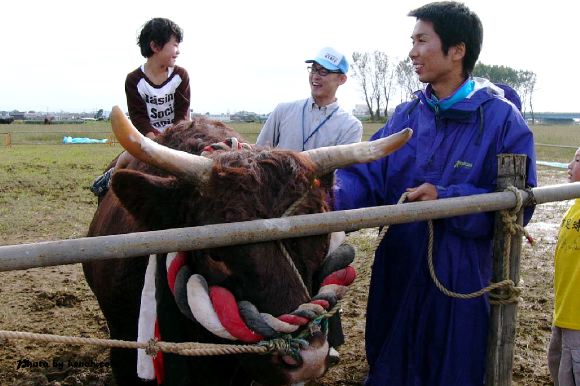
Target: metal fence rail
24,256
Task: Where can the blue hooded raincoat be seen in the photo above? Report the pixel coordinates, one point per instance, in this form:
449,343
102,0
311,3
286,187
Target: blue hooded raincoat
416,335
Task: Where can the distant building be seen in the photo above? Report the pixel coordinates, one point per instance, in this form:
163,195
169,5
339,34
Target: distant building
361,111
245,116
215,117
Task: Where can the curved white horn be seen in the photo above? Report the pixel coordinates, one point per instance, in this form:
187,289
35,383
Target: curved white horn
330,158
189,166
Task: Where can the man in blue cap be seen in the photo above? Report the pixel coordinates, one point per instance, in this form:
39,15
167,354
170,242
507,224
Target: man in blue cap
317,121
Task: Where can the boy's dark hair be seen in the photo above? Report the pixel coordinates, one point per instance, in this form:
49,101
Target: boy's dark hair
160,31
455,24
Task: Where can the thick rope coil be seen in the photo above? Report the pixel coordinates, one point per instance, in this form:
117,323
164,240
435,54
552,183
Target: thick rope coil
510,217
512,293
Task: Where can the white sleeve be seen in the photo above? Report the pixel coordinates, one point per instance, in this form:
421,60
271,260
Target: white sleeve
352,134
269,135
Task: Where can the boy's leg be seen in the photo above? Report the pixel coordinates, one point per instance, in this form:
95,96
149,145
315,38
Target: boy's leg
569,374
555,353
101,184
569,371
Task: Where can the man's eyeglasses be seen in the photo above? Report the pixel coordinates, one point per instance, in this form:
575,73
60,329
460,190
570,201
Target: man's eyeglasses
321,71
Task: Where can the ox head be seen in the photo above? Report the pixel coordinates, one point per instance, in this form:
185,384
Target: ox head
166,186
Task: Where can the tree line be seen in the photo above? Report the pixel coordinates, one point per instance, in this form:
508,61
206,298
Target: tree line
381,77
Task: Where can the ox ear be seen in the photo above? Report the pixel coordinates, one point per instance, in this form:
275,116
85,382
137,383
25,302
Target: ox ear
148,198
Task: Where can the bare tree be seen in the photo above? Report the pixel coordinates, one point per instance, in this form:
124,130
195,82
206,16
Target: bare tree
377,80
526,85
531,87
385,75
407,79
375,75
363,72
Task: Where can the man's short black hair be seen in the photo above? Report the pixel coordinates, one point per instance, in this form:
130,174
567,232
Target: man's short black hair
455,24
160,31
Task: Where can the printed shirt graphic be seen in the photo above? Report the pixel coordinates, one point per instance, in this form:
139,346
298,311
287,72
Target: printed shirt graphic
567,271
157,106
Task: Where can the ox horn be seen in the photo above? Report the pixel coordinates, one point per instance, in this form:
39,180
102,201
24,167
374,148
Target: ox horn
189,166
330,158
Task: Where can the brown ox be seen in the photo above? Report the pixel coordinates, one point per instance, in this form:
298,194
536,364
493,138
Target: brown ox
166,188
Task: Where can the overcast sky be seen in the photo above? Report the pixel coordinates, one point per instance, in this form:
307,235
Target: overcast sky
249,55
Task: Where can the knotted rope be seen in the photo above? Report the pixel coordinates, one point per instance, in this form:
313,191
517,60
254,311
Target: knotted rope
509,219
153,347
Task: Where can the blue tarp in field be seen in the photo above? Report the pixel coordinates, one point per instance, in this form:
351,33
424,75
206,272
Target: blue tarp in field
67,140
553,164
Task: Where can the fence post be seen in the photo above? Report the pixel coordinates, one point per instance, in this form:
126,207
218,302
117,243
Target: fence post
502,323
7,139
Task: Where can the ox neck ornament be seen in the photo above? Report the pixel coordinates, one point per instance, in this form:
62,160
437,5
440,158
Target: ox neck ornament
216,309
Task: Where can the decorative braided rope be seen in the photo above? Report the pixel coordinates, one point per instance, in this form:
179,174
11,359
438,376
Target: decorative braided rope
217,310
509,219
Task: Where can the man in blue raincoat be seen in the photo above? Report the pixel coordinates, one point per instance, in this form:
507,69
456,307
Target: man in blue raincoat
416,335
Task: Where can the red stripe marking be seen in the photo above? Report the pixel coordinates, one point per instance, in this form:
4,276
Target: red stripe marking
174,267
158,360
293,319
322,303
343,277
226,308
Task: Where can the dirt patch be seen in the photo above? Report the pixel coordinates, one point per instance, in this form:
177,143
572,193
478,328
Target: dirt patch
57,300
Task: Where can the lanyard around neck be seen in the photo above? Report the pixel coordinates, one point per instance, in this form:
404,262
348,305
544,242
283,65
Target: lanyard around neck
317,127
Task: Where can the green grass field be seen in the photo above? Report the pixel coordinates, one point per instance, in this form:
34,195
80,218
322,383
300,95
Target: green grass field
27,134
44,185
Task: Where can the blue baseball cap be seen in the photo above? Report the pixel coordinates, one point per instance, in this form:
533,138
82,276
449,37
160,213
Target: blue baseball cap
331,59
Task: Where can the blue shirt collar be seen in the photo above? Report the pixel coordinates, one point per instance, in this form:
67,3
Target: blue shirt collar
463,91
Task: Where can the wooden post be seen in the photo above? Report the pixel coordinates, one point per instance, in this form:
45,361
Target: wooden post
7,139
502,323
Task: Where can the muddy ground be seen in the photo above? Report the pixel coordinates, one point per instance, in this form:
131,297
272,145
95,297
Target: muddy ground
57,300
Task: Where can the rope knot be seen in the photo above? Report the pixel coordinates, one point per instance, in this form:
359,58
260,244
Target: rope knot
510,294
152,348
509,217
285,346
